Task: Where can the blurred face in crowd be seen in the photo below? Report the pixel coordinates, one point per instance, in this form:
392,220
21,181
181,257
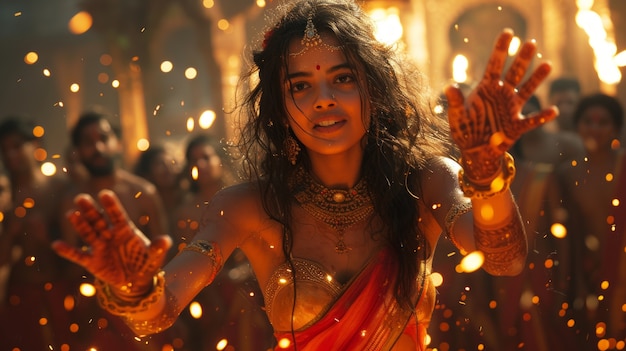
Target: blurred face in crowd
97,148
205,159
596,128
17,153
566,102
164,170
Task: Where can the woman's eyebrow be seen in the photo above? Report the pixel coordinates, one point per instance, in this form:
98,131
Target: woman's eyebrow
330,70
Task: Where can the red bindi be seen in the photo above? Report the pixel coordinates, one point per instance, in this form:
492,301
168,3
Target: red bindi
317,67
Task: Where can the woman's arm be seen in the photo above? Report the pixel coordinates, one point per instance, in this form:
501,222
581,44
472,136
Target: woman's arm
130,278
484,125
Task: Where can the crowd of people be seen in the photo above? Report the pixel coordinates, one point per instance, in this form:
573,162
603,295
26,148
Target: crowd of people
41,293
324,234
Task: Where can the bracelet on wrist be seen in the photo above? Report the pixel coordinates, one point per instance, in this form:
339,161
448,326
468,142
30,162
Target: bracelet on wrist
122,306
499,184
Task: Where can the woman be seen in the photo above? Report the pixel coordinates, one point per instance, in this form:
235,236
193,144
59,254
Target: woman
350,191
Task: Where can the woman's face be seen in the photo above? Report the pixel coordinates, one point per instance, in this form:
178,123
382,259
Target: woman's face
596,128
323,99
207,163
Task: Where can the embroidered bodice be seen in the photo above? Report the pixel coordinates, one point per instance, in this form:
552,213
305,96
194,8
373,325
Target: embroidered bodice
316,291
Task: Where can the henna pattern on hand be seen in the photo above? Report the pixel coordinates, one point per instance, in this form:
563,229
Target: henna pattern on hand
117,253
489,121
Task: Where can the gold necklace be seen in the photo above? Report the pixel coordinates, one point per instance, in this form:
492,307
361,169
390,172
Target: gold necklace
338,208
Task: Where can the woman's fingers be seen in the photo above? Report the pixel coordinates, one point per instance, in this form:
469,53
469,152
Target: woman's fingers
535,120
498,57
520,64
527,89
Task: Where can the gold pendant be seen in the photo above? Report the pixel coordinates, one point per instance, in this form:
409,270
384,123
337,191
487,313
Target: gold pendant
341,247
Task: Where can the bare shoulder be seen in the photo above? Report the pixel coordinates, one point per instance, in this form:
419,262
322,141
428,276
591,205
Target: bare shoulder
240,203
439,179
439,193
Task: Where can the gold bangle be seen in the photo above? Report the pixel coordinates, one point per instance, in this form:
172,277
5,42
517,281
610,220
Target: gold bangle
162,321
501,245
122,307
498,185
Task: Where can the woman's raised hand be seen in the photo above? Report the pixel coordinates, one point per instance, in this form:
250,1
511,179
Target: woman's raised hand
489,121
116,251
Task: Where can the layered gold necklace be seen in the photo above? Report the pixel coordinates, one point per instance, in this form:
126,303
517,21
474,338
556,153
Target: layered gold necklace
337,208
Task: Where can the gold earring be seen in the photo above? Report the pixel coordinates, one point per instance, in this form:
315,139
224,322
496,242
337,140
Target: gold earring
292,149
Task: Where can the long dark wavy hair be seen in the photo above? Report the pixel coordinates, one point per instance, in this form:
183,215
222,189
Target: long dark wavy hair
403,131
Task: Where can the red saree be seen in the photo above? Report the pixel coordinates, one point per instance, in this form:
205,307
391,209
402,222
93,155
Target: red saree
365,317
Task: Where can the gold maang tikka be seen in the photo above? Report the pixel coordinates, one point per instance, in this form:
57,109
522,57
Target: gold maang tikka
312,38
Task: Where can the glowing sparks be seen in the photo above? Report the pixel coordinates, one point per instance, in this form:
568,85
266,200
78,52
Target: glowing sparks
514,46
460,64
221,345
206,119
40,154
69,302
191,124
223,24
143,144
166,66
80,23
472,262
195,309
558,230
87,289
284,343
191,73
436,278
31,58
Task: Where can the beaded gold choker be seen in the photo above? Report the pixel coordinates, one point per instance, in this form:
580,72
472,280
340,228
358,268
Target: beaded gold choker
337,208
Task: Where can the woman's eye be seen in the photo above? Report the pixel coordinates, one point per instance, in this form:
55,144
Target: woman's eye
347,78
299,86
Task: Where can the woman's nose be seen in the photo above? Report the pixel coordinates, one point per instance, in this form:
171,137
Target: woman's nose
325,99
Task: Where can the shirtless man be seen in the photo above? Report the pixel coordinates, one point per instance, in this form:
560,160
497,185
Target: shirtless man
98,150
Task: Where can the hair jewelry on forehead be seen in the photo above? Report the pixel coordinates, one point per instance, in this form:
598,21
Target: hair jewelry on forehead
312,38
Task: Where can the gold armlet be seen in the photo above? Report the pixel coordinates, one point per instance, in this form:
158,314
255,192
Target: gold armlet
209,249
498,185
456,211
123,307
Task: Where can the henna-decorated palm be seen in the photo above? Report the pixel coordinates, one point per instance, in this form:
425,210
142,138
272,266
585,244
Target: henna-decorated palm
489,121
118,253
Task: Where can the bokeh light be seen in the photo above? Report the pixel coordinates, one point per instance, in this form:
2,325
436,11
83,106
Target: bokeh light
80,23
